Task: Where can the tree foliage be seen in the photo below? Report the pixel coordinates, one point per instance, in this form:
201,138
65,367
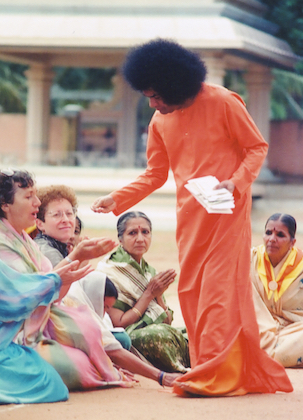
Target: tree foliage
84,78
287,95
70,79
13,84
288,15
287,87
13,89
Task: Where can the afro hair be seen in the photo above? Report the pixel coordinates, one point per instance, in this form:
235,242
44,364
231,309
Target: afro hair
167,68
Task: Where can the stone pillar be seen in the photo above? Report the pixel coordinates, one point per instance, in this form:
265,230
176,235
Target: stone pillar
38,112
128,136
258,82
215,69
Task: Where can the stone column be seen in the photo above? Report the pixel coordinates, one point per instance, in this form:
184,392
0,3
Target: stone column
128,137
215,69
258,82
38,112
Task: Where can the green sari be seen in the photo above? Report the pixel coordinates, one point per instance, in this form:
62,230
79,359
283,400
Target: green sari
161,344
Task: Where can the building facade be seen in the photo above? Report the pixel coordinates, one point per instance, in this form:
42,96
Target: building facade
229,35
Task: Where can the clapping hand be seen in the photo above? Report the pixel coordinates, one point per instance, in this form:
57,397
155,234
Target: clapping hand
70,273
161,281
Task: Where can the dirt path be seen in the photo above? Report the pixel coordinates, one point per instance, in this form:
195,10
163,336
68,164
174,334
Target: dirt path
147,401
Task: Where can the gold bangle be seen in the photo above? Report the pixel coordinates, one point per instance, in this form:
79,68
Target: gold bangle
137,312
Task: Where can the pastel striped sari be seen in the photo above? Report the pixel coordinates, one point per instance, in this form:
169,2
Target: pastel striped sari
68,338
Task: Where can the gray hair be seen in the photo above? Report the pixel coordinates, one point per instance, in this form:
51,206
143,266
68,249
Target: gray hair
122,221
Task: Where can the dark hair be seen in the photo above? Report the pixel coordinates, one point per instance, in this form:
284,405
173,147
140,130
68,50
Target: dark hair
287,220
80,224
122,221
110,289
9,181
167,68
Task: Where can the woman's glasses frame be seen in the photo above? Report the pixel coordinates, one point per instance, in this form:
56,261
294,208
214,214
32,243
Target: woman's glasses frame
58,215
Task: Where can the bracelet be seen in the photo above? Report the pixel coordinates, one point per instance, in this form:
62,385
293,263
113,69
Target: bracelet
68,260
137,312
161,377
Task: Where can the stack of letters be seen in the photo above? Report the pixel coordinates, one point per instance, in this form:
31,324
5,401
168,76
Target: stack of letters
214,201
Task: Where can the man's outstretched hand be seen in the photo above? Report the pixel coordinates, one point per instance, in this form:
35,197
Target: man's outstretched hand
104,204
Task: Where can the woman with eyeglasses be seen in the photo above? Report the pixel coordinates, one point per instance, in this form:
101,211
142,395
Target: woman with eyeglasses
58,333
56,223
56,220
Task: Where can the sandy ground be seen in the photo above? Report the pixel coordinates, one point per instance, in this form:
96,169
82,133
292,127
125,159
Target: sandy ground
147,400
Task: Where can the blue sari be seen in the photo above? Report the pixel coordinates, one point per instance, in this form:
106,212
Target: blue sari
24,376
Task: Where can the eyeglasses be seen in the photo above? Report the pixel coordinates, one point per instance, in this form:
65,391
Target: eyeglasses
58,215
7,172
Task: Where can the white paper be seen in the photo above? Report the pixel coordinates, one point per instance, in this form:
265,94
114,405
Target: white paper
214,201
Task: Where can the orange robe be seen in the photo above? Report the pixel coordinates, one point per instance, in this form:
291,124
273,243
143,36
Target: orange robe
214,136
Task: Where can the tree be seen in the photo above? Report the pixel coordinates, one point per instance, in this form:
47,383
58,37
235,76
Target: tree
13,88
287,87
288,15
287,95
13,84
69,80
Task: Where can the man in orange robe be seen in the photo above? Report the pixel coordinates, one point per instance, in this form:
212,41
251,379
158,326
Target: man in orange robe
199,130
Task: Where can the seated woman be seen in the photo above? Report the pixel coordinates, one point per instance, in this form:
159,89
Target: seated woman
58,333
24,376
75,239
58,204
140,307
110,297
277,276
56,223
